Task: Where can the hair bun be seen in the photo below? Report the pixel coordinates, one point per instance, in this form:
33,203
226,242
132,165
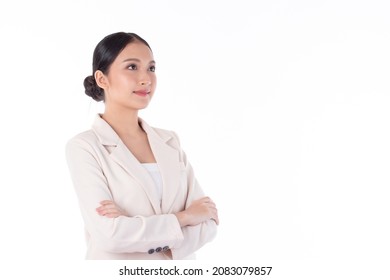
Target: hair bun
92,89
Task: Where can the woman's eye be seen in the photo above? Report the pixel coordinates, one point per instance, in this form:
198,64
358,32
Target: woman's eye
132,67
152,68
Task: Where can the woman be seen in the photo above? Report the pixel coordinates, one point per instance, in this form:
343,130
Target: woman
137,192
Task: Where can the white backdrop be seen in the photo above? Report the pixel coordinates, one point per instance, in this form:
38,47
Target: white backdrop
282,107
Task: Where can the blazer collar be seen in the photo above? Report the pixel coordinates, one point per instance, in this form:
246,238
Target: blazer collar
108,137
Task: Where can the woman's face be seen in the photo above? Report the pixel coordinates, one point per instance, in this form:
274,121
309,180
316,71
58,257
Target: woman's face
131,79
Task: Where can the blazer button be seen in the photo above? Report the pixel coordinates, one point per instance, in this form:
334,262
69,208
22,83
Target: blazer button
151,251
166,248
158,249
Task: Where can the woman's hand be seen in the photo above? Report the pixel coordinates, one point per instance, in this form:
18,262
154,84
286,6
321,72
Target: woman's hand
109,209
199,211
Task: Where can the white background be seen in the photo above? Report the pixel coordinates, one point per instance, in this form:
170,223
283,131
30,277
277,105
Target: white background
282,107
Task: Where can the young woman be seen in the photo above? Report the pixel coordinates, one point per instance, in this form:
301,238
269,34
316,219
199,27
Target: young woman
137,191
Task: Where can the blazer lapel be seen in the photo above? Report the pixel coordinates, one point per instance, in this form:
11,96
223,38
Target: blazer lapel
128,162
122,156
169,165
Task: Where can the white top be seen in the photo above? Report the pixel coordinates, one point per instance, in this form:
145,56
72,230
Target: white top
154,172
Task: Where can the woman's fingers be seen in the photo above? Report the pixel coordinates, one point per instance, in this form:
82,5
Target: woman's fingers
106,202
214,214
216,220
206,199
215,217
112,215
107,206
108,212
201,210
108,209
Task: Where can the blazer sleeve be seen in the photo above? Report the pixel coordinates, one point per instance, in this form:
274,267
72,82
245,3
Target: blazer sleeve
194,236
121,234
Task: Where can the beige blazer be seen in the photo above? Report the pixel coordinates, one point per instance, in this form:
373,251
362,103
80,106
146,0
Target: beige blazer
102,168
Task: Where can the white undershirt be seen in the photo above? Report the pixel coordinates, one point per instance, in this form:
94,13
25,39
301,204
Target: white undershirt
154,172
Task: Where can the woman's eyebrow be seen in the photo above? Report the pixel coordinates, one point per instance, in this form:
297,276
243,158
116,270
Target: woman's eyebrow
137,60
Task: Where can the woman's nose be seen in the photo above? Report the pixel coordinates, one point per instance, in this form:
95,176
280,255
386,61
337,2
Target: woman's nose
145,82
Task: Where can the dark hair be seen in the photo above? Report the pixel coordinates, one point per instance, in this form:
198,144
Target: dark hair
104,55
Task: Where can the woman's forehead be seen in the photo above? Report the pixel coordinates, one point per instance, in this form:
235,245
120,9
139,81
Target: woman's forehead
135,50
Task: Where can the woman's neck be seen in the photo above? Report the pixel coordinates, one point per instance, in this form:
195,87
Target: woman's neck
125,123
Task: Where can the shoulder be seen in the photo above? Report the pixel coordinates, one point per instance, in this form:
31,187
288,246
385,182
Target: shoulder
83,140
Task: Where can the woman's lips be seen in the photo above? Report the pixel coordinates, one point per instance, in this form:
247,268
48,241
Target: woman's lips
141,92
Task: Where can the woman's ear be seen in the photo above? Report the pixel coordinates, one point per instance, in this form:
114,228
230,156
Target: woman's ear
101,79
